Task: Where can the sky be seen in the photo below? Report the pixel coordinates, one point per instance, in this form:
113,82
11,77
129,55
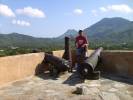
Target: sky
51,18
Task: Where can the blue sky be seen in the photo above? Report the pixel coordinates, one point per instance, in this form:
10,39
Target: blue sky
51,18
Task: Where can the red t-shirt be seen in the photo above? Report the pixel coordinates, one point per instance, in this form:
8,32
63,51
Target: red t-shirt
81,40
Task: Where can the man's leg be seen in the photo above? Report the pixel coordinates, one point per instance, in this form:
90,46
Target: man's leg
78,56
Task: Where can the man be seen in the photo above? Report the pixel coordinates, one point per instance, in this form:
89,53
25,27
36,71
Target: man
81,44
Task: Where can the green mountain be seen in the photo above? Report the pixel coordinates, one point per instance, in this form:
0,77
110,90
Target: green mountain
20,40
108,25
115,30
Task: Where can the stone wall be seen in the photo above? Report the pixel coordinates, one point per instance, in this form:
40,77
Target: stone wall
58,53
118,62
18,67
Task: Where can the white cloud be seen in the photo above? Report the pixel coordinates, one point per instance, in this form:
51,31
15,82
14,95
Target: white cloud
31,12
78,11
123,8
103,9
6,11
20,22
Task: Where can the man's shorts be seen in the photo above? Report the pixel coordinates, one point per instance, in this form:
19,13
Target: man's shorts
80,51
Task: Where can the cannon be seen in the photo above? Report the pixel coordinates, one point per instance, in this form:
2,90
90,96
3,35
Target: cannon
57,65
67,54
89,64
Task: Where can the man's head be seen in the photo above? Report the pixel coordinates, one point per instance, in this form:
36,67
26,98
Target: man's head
80,32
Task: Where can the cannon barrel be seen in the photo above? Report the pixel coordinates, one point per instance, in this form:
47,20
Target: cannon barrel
93,59
59,64
67,54
90,63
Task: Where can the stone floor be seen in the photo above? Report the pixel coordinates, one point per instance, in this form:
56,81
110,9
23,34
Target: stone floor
44,87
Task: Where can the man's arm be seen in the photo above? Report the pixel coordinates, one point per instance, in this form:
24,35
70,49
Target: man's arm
86,42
